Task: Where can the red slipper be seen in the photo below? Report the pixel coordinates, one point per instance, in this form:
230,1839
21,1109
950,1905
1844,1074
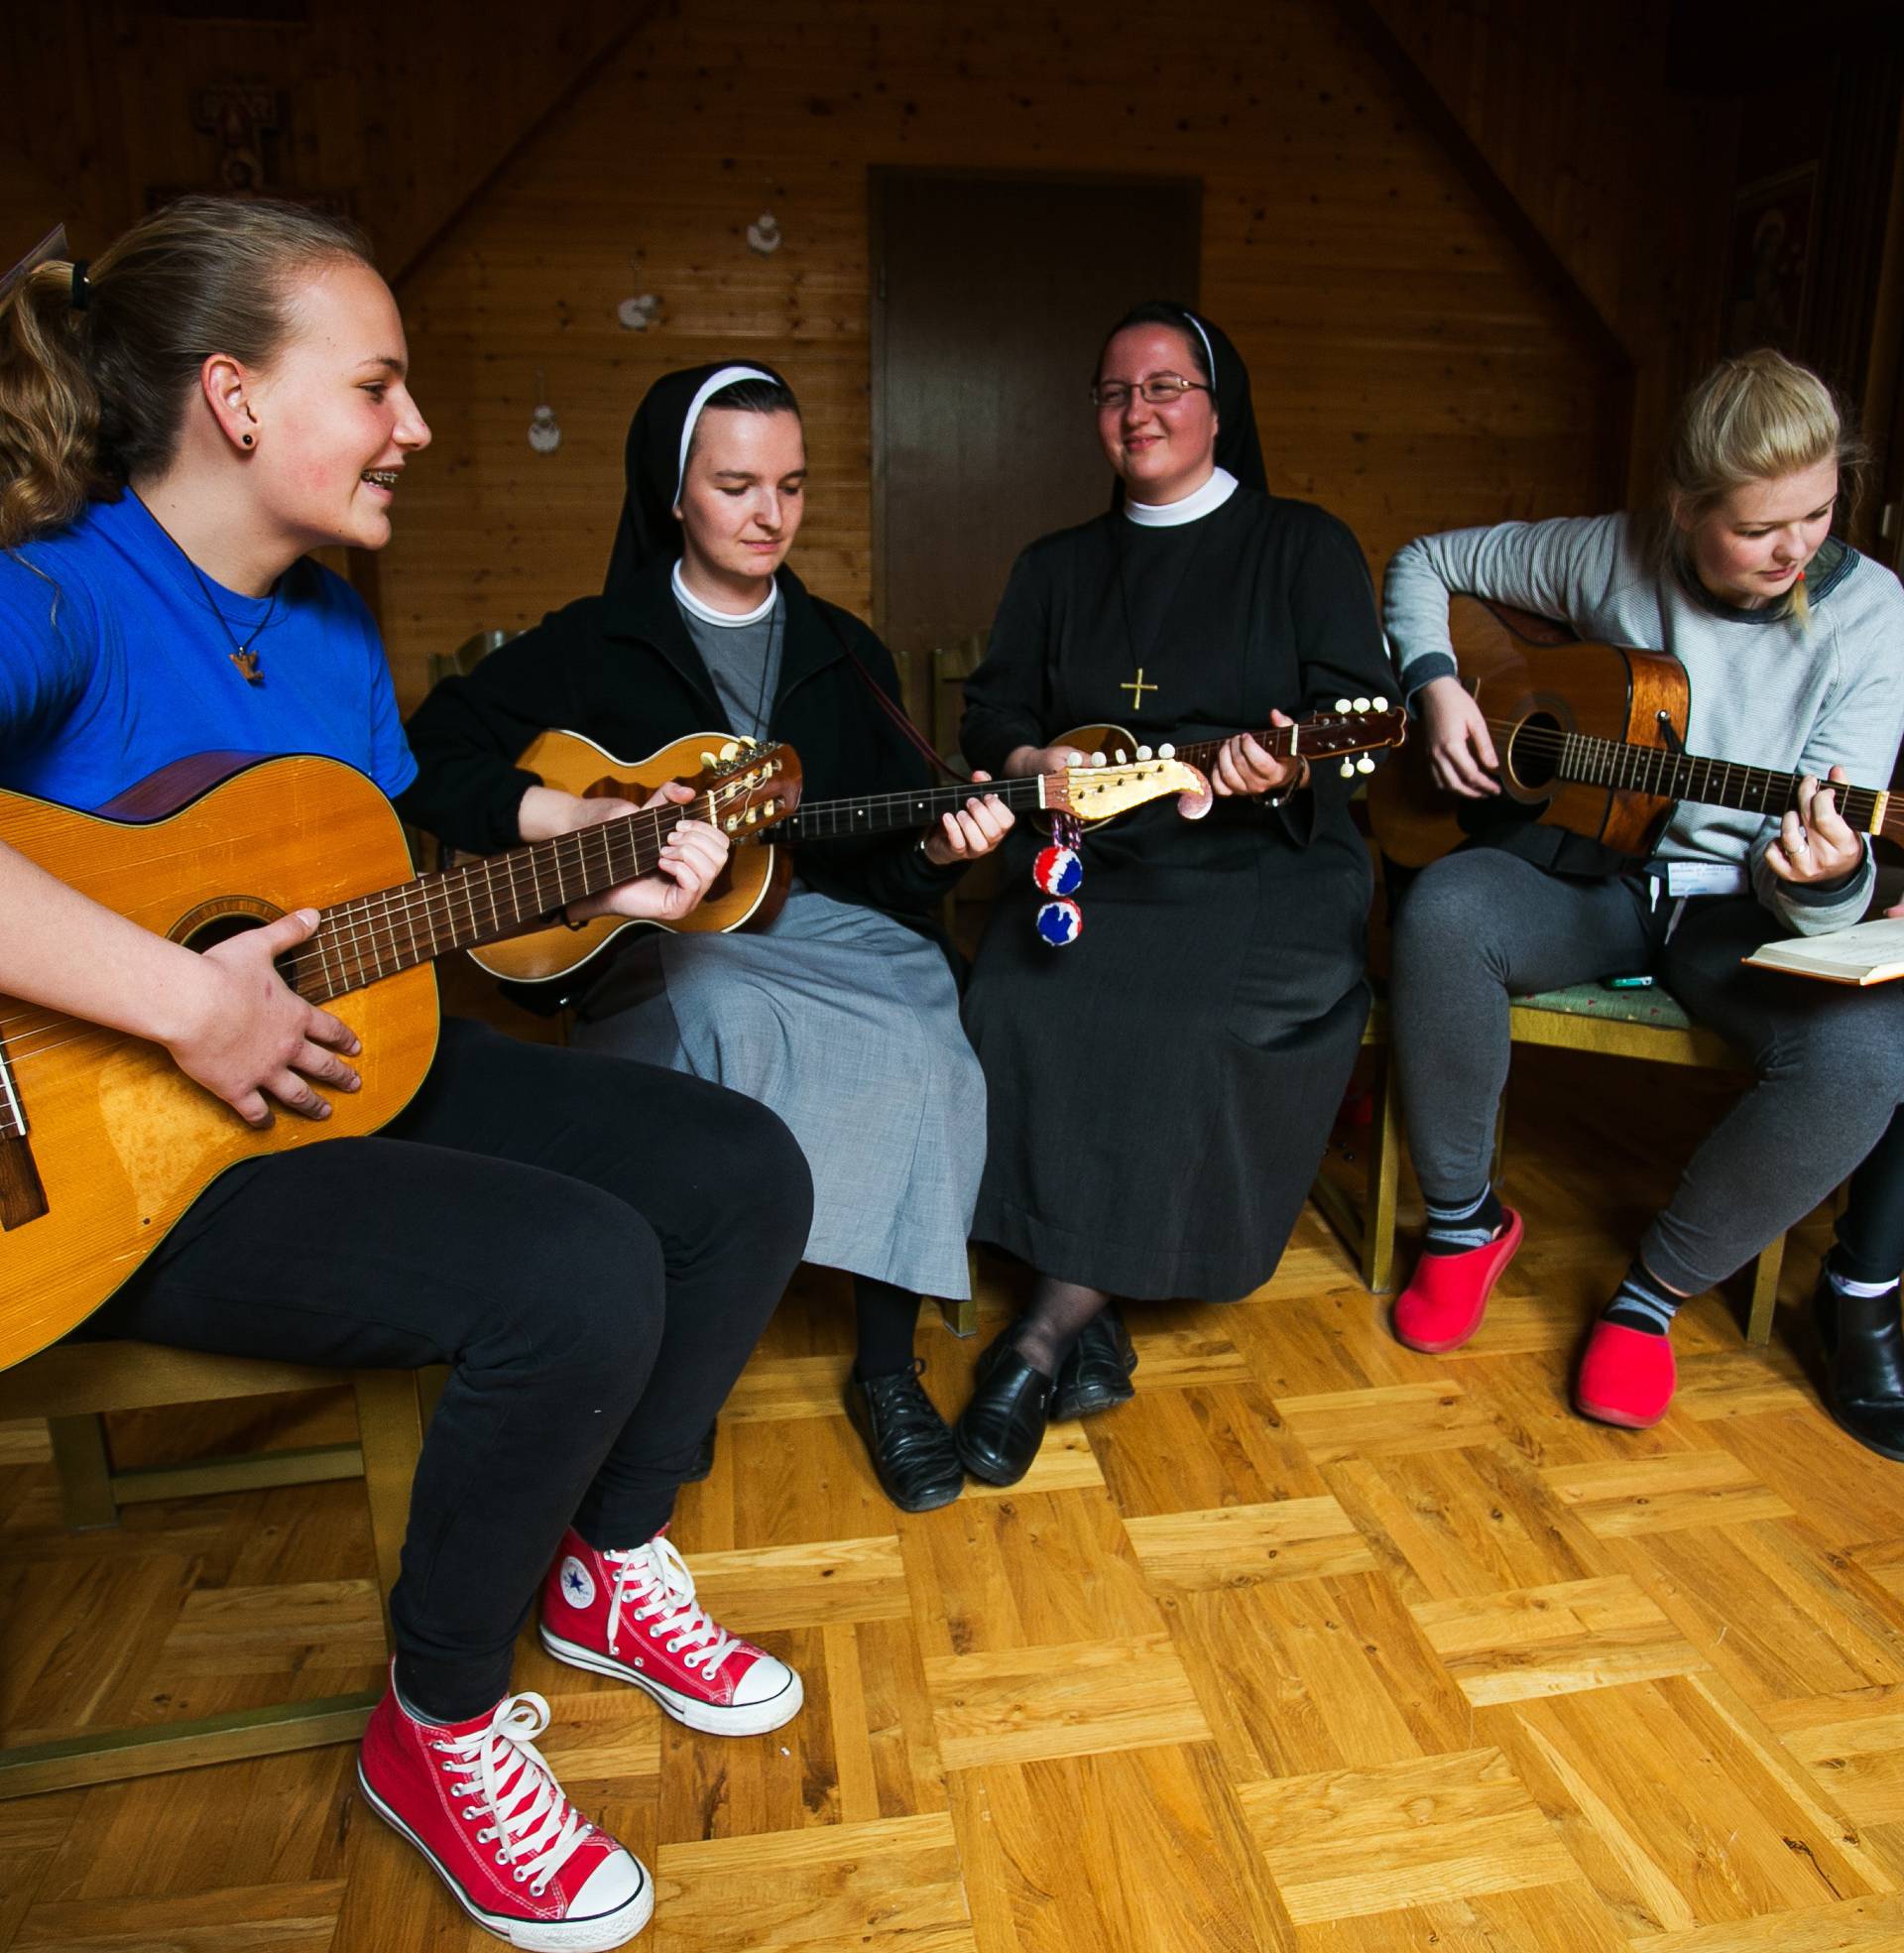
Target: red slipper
1447,1295
1626,1377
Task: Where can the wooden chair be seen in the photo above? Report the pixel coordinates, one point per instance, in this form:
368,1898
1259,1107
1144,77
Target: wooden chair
1626,1024
71,1386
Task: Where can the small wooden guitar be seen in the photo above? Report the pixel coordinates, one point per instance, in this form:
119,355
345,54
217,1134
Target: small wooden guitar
750,888
104,1143
1591,738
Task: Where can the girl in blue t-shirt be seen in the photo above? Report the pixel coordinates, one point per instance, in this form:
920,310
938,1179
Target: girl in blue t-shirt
222,390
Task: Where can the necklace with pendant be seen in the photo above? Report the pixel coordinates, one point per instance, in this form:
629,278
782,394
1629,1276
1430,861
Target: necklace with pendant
241,654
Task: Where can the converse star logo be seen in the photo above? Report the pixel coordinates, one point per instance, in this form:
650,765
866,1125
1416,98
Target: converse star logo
577,1588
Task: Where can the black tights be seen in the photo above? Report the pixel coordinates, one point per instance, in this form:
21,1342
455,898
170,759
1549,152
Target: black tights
1870,1231
1045,1333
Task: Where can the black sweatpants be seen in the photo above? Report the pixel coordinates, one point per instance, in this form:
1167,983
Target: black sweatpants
592,1246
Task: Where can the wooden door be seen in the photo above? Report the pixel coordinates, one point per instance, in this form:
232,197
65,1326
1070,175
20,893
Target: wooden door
991,295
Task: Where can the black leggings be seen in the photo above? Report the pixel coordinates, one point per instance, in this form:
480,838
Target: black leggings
592,1246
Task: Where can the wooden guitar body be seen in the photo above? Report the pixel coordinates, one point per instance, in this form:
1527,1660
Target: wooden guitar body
118,1141
1535,682
748,891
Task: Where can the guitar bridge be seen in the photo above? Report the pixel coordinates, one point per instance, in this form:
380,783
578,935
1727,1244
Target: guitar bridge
22,1197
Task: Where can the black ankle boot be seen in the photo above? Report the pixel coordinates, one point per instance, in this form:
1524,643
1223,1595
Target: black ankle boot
1863,1348
907,1440
1000,1431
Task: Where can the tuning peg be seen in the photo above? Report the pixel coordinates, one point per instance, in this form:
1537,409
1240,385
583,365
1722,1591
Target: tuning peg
707,759
752,815
1348,770
732,823
1342,705
1121,757
1361,704
1166,751
1380,704
730,751
1364,764
750,744
1143,752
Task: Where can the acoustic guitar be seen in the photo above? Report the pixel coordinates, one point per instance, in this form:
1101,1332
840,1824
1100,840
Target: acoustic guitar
1591,738
104,1143
750,888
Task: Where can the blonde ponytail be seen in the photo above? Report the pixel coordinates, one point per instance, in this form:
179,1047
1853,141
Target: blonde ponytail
49,406
94,393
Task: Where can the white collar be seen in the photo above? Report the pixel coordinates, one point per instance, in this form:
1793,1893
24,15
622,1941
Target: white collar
1203,502
724,620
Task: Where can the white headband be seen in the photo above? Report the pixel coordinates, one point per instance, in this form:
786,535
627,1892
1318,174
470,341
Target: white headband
725,377
1209,351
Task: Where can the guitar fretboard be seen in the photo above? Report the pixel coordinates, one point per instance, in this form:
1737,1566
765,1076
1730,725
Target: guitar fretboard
879,814
1625,768
373,936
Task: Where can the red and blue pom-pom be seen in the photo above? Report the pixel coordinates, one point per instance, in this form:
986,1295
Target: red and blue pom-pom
1060,923
1058,871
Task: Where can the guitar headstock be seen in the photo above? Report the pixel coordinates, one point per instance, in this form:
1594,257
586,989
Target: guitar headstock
1357,725
749,787
1092,793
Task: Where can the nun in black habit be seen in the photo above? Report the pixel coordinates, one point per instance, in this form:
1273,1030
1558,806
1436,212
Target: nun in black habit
842,1014
1160,1088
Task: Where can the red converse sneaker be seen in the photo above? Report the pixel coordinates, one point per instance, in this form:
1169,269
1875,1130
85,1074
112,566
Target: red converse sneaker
633,1615
1626,1377
1447,1295
479,1802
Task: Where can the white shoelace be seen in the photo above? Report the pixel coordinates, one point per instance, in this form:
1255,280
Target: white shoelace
658,1571
531,1816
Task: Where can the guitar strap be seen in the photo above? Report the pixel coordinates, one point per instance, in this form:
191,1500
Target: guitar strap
907,730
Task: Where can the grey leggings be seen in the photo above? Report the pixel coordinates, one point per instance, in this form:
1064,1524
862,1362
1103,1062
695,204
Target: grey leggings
1484,925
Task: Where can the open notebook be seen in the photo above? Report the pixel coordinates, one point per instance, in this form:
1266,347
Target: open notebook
1870,952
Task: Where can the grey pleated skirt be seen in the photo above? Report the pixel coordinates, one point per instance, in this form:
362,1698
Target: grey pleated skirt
846,1024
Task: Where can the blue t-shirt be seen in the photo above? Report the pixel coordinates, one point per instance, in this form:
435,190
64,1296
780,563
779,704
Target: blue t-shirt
112,665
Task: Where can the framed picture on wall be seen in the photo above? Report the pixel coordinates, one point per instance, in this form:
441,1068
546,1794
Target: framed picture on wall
1766,282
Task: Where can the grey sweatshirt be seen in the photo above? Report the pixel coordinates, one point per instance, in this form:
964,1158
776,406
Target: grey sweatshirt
1766,691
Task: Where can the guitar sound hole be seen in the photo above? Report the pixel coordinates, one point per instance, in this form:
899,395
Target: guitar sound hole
1533,751
219,929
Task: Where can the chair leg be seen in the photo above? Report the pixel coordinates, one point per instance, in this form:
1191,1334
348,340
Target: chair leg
390,1428
81,1458
1766,1273
962,1319
1384,1183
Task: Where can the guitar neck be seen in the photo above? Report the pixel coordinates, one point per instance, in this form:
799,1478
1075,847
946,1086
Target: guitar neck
1627,768
1277,741
373,936
881,814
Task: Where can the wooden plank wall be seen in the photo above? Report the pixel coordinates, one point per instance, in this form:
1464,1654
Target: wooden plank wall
1627,181
1411,370
1414,366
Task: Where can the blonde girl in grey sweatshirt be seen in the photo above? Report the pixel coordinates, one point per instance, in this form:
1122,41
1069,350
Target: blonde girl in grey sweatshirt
1794,648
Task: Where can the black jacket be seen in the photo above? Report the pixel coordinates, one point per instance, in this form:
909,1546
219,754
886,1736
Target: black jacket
627,675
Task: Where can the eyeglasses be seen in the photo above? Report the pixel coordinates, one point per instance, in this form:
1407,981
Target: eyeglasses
1161,390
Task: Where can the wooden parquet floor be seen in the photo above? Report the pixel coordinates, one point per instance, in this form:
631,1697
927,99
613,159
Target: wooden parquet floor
1318,1645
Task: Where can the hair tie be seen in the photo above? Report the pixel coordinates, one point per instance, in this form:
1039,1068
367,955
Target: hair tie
82,288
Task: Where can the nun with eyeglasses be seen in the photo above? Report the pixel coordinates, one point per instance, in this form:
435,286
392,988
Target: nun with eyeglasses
1163,1062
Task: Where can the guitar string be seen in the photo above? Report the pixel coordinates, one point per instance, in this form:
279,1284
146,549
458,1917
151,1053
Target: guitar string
1548,741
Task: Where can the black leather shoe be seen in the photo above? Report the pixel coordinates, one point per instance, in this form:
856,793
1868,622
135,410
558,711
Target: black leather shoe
1097,1374
909,1442
1001,1429
1863,1349
703,1458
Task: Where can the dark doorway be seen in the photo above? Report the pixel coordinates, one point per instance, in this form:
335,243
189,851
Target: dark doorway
990,295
